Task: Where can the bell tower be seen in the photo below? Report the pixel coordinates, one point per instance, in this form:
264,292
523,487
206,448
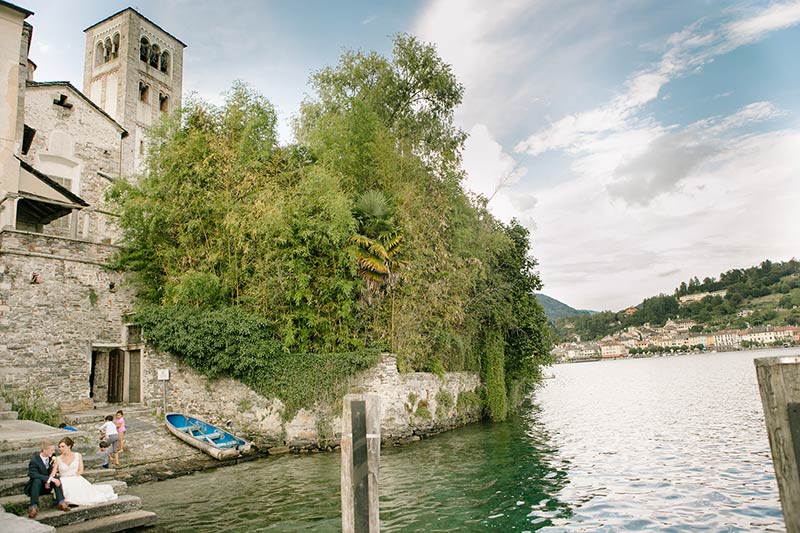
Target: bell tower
133,70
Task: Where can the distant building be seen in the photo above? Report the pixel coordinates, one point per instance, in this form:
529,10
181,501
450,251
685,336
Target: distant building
612,351
630,311
727,339
696,297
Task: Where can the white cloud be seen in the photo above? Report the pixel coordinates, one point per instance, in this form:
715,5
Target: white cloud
488,167
597,250
775,17
649,204
687,51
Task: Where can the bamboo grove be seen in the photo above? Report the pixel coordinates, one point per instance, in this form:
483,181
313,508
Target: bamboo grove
355,238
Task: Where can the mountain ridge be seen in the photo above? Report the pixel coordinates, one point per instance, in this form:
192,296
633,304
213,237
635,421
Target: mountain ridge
555,309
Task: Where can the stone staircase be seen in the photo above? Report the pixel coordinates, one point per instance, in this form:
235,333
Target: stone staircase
6,413
124,513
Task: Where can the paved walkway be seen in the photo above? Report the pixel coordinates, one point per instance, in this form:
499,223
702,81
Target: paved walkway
16,434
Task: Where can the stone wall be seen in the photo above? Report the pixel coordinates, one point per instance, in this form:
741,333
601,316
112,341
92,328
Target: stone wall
49,325
411,404
78,143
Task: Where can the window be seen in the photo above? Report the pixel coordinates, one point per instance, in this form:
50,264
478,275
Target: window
144,49
115,46
163,102
108,46
155,55
165,61
60,226
99,53
144,92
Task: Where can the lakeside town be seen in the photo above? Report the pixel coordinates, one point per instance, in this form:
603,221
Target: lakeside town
678,335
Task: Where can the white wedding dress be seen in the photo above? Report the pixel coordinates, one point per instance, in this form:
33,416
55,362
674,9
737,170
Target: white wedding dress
78,491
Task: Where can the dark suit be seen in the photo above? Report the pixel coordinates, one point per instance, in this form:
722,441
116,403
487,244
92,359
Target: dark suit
38,475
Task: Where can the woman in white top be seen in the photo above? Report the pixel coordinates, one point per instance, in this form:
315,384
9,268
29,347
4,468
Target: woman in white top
78,491
111,436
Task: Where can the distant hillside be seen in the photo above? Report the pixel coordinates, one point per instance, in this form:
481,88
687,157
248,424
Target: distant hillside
766,294
555,309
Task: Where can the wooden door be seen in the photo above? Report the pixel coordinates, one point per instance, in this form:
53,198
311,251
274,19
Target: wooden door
134,377
116,375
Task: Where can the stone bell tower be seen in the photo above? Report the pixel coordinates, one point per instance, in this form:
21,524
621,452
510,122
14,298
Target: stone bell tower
133,70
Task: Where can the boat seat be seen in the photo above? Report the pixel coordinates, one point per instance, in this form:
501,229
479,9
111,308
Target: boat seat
214,435
229,444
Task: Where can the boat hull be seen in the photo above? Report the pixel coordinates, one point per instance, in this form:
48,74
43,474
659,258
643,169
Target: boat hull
211,439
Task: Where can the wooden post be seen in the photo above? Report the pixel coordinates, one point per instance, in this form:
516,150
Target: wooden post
361,456
779,383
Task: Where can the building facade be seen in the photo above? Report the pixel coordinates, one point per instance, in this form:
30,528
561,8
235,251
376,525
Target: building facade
63,326
133,70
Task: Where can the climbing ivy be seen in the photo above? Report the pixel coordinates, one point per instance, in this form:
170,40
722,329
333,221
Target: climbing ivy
235,343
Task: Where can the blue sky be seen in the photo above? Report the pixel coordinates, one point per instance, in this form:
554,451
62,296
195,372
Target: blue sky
642,142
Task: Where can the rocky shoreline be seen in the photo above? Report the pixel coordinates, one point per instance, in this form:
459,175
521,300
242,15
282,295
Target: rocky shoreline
151,453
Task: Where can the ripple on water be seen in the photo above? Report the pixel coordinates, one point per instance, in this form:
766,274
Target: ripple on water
669,444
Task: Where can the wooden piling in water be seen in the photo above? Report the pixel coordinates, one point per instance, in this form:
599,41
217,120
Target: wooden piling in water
779,383
361,454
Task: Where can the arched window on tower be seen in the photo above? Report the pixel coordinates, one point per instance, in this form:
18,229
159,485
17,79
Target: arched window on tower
144,49
99,53
155,55
108,46
144,92
165,62
163,102
115,46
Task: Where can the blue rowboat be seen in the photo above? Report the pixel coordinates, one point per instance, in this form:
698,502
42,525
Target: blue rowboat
213,440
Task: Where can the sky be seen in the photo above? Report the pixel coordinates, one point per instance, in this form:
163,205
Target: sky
642,142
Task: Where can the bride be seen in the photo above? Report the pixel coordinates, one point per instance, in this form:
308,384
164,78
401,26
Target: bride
78,491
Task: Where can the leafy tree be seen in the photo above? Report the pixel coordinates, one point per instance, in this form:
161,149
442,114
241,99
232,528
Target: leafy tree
307,238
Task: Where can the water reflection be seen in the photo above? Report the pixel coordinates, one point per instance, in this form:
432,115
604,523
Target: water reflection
672,444
487,476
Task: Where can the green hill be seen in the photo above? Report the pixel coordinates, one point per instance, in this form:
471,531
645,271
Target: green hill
555,309
766,294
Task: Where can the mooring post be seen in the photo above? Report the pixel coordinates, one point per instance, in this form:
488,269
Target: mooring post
361,457
779,383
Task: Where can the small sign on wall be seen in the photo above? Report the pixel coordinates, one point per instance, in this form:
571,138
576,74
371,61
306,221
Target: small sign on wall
163,374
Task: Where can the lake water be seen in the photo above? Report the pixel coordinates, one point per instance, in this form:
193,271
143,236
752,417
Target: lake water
662,444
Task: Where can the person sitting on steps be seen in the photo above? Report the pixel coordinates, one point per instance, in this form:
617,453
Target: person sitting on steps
41,482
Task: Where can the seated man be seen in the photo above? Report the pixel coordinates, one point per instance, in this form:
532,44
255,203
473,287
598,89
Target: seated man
40,482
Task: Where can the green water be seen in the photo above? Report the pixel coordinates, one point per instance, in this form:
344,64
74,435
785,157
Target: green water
667,444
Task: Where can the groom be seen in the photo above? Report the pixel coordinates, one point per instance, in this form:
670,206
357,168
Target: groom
40,481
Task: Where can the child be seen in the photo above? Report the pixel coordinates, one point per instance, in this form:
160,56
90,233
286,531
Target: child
111,437
103,453
120,423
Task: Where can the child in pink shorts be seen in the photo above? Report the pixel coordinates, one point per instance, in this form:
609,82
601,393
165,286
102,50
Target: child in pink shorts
120,423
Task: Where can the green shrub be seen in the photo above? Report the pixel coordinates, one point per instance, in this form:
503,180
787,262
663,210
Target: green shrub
494,377
444,402
30,404
423,411
469,402
234,343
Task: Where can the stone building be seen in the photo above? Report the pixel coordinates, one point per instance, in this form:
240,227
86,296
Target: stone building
133,70
62,313
63,326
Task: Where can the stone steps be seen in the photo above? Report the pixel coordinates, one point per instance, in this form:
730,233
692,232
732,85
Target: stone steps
24,454
10,470
97,416
9,487
8,415
28,434
56,518
20,502
110,524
